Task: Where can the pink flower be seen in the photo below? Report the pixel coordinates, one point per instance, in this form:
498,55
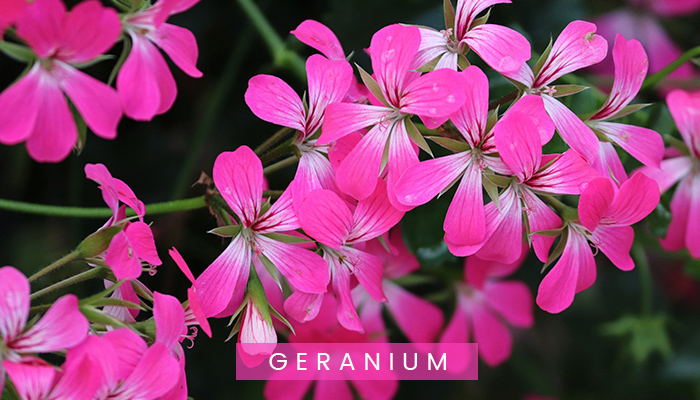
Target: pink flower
9,11
605,215
419,320
62,327
683,232
327,218
194,315
238,176
502,48
400,93
145,84
484,303
576,47
643,144
35,380
35,109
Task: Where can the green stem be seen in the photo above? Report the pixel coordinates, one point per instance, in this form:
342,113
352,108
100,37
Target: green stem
39,309
99,212
272,140
56,265
282,149
205,126
642,263
566,212
654,79
281,56
83,276
505,99
280,164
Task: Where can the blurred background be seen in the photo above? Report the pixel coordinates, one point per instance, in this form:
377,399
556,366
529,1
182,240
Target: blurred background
625,338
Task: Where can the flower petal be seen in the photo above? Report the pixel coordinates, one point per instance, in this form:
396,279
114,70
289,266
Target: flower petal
436,94
540,218
636,199
465,221
62,327
326,218
180,45
14,302
374,215
494,339
273,100
320,37
512,300
41,24
302,306
503,49
358,172
239,177
329,81
304,269
567,174
155,374
574,132
615,242
419,319
88,31
392,51
20,106
595,202
368,269
425,180
519,144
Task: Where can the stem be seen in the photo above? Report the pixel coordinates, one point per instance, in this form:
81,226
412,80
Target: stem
566,212
280,164
505,99
654,79
99,212
281,56
83,276
56,265
282,149
273,193
211,114
272,140
38,309
640,259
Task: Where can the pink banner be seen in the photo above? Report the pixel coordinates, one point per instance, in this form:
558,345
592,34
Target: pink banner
357,361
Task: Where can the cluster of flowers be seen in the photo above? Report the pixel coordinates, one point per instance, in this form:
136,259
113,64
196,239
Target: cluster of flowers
333,234
58,43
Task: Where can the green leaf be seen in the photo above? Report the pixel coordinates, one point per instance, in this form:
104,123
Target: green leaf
644,335
481,21
417,138
557,250
449,14
100,317
549,232
493,118
81,126
115,302
677,144
566,90
540,62
414,280
455,145
126,49
284,238
17,52
282,319
462,62
491,191
372,85
227,231
235,329
238,311
89,300
270,267
629,110
94,61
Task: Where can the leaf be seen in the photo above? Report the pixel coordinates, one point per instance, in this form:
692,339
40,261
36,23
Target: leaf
549,232
98,242
235,329
81,126
101,295
677,144
540,62
455,145
285,238
100,317
566,90
481,21
414,280
372,86
430,65
282,319
449,14
557,250
94,61
629,110
462,62
17,52
492,192
227,231
645,335
270,267
417,138
493,118
115,302
126,49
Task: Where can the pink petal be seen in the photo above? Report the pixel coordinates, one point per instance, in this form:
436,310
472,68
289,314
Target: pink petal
97,103
329,81
180,45
512,300
142,243
286,390
403,154
532,106
89,30
145,85
304,269
433,44
374,215
671,8
280,217
320,37
457,330
524,75
62,327
272,100
392,50
216,284
631,65
608,163
302,306
671,171
465,220
419,319
644,144
368,269
557,289
238,176
595,202
574,132
518,143
19,107
14,303
180,262
576,47
346,312
494,339
471,118
357,175
41,25
615,242
131,348
478,271
684,108
326,218
425,180
337,390
314,171
681,204
55,132
467,11
540,218
568,174
120,258
502,48
342,119
257,336
9,11
154,375
31,381
436,94
79,382
169,318
504,243
636,199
